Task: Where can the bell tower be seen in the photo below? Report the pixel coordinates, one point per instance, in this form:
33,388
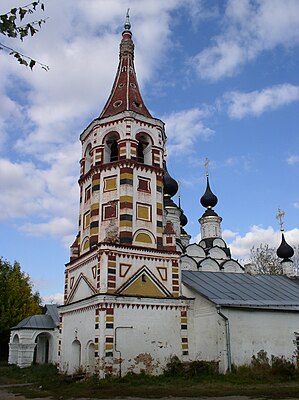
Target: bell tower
122,215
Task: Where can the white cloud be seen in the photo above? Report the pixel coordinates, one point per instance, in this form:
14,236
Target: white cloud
228,234
40,185
293,159
255,103
56,298
243,162
183,128
296,204
249,28
55,227
240,246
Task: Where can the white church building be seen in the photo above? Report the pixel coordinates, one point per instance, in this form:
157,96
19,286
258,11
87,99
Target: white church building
136,292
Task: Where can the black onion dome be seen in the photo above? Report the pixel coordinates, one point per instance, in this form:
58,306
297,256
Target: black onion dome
284,251
183,219
208,200
170,185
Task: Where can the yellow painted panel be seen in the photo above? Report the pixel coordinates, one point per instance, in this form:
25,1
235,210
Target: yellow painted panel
143,288
86,220
183,320
96,346
175,270
143,212
110,184
126,199
111,263
143,238
97,318
96,182
94,231
159,206
184,345
94,206
86,245
159,229
109,346
109,318
126,175
126,223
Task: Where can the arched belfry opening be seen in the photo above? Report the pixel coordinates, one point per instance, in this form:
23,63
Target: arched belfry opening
87,158
140,153
114,151
111,151
144,148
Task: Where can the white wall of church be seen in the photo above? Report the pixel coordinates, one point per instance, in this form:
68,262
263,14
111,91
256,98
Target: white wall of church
78,331
150,338
206,339
250,332
254,330
138,335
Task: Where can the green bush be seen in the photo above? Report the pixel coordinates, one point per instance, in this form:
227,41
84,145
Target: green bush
175,367
283,368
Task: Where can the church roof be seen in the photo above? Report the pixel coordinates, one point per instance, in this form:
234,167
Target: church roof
240,290
125,94
48,320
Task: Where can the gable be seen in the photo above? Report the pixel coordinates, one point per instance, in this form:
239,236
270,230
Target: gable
144,283
81,290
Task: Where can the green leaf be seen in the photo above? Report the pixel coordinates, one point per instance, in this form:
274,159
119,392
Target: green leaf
32,30
32,64
22,13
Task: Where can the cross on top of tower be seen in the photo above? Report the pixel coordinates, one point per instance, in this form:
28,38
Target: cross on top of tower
279,216
127,25
207,166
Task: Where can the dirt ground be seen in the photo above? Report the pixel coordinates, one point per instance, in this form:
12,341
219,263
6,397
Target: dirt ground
4,395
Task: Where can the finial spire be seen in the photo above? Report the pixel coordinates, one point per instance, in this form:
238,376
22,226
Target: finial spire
179,193
207,166
280,216
127,25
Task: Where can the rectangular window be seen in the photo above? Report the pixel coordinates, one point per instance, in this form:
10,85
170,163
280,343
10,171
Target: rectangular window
109,183
86,220
87,194
144,212
144,185
109,210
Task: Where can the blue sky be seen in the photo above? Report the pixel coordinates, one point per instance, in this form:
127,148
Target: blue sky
222,75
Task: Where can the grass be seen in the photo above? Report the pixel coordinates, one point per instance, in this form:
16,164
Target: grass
258,380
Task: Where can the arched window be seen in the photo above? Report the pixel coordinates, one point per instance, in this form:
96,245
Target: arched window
110,142
87,158
75,359
144,148
114,151
140,154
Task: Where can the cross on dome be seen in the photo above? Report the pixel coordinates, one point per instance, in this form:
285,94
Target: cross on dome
280,216
207,162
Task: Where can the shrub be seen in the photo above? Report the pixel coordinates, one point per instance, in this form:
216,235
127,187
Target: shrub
283,368
175,367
